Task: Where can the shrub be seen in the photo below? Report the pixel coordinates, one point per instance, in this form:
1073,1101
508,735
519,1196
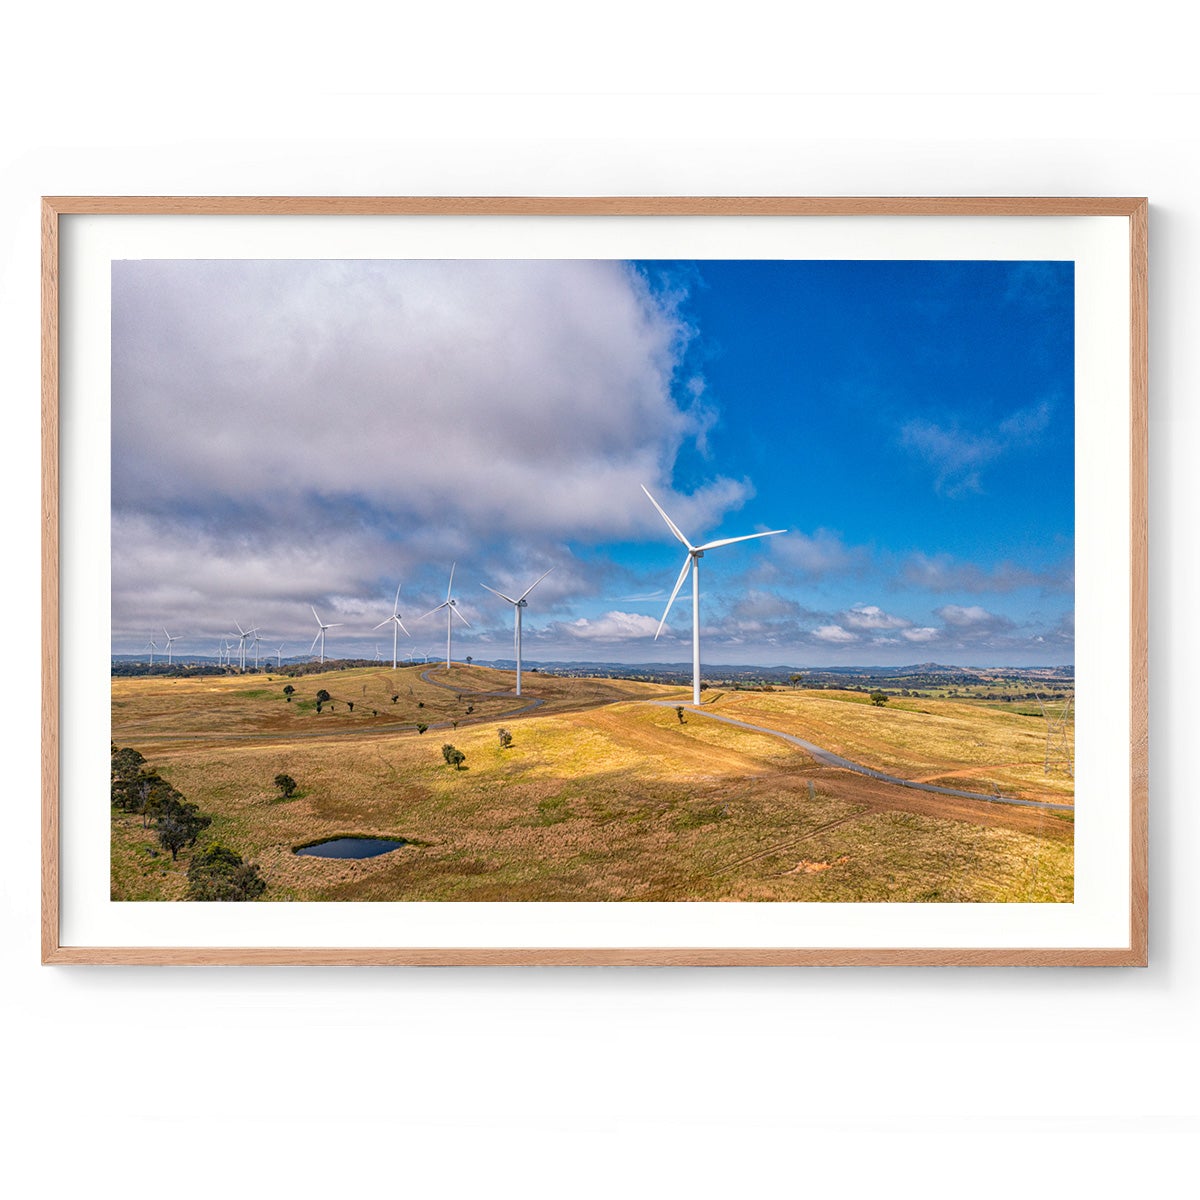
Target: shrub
505,738
218,873
421,728
323,697
286,785
453,756
879,699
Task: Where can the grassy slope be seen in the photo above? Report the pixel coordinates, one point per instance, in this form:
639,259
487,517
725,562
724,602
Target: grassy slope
617,802
973,746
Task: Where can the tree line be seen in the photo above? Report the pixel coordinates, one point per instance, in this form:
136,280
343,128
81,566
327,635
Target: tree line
215,872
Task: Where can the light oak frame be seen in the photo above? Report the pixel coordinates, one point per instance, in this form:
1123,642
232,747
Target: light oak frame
1134,209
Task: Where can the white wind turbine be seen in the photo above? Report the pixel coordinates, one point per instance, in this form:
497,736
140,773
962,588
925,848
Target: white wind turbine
396,624
243,634
256,641
170,640
279,657
451,607
321,634
518,604
152,645
694,555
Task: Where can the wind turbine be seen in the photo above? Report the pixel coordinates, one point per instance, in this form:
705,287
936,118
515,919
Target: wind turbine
255,641
279,657
451,608
243,634
694,555
170,639
518,604
321,634
152,645
396,624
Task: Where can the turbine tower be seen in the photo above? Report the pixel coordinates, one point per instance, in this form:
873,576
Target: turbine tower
451,607
152,645
321,634
256,641
279,657
518,604
694,555
170,639
396,624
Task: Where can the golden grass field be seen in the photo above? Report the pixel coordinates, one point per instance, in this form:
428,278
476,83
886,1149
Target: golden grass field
600,796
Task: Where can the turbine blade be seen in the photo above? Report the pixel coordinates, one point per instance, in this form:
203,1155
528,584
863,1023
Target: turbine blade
459,615
335,625
687,562
314,613
401,624
450,585
315,641
500,594
396,602
534,584
430,613
671,524
385,621
745,538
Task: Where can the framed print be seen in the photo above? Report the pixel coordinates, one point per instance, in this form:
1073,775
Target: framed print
731,581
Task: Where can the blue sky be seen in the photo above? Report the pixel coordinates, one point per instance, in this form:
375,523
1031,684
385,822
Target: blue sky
295,433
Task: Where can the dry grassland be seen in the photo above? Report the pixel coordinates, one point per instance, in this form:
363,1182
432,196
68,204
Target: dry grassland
963,745
598,798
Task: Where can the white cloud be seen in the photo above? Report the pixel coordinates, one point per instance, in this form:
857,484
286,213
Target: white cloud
871,617
834,634
611,627
285,429
922,634
817,555
958,455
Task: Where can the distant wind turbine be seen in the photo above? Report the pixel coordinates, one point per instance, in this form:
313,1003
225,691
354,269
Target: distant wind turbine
152,645
451,607
518,604
279,657
243,634
694,555
396,624
256,641
321,634
170,640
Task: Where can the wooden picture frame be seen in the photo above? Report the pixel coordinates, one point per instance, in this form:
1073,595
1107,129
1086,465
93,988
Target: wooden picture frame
1128,949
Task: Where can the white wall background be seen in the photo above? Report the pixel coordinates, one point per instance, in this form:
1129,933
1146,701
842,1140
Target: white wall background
557,1082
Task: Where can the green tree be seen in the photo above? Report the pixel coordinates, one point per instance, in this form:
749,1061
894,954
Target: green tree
173,835
286,785
679,714
879,699
794,680
453,756
323,697
289,692
218,873
505,738
421,728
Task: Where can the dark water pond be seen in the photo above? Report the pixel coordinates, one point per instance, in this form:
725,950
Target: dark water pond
352,847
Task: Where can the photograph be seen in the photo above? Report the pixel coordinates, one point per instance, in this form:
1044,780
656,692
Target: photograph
593,579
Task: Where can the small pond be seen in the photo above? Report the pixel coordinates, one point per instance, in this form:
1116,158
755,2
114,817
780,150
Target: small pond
352,847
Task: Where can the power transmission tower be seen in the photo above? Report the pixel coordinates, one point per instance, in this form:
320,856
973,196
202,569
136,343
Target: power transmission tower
1060,743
